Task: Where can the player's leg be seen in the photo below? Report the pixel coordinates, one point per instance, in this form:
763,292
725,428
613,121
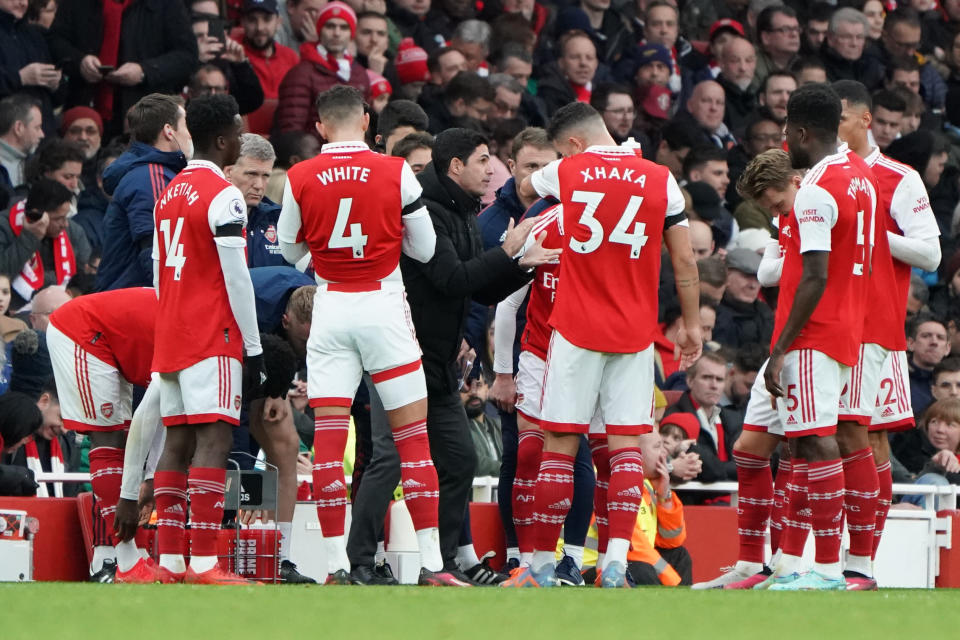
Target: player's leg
601,462
575,527
529,449
281,444
880,443
779,501
170,481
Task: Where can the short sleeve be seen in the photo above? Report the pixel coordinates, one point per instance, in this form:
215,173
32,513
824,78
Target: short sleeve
288,226
816,212
675,202
227,208
910,208
410,189
546,180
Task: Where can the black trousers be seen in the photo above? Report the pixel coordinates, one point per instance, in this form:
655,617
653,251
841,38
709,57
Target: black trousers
453,456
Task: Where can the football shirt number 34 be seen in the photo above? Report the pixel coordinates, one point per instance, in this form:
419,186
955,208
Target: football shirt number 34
621,233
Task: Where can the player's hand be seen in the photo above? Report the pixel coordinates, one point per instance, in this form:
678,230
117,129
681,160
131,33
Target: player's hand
771,377
687,466
90,69
38,228
129,74
253,377
946,459
537,255
145,502
503,393
126,519
689,345
517,236
275,410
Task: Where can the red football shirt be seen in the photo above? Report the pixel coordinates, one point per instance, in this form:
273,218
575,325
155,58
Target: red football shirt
347,205
906,212
615,208
115,326
543,287
196,321
834,211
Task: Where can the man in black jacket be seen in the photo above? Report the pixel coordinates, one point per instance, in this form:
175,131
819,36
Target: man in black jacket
439,293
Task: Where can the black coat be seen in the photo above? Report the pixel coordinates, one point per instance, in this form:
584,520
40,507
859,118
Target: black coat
739,324
156,34
714,469
22,43
440,291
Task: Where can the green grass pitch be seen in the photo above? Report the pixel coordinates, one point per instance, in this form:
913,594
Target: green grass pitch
50,611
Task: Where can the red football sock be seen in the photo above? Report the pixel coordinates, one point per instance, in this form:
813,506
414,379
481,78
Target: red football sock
825,495
421,491
779,503
553,499
329,485
523,493
861,487
170,494
753,504
601,460
206,487
884,499
106,472
796,516
625,493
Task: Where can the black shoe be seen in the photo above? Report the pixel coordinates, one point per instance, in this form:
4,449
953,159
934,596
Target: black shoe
510,565
338,577
367,575
290,575
454,571
106,573
385,573
482,574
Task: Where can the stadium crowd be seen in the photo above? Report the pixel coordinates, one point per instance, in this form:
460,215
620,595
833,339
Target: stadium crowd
95,122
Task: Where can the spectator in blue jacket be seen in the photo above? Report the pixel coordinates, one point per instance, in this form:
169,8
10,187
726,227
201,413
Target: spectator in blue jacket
250,174
160,149
93,201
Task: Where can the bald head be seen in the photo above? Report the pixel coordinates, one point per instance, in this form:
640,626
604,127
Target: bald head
701,239
45,303
738,61
707,103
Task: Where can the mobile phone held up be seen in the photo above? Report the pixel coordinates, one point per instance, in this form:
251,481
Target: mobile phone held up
104,69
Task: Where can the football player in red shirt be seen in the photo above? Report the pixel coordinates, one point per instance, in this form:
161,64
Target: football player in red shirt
208,326
617,210
818,333
101,345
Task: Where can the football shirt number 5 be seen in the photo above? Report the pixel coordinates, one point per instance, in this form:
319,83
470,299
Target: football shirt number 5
621,234
356,241
172,247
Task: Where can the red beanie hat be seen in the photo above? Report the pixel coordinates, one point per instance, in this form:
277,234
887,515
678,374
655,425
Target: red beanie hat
686,421
379,86
78,113
340,10
411,62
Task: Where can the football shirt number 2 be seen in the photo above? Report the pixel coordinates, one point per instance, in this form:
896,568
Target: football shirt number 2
621,233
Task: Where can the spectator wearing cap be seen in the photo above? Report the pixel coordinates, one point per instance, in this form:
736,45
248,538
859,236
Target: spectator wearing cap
742,318
610,29
699,16
660,27
842,52
778,32
260,20
571,79
738,60
652,67
719,426
380,92
147,43
83,126
721,32
704,114
323,65
26,65
411,69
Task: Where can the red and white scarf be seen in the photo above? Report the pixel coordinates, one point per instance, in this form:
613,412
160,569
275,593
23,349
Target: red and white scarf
56,465
31,277
317,54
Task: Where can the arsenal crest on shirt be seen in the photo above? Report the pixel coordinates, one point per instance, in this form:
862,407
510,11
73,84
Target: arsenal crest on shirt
271,234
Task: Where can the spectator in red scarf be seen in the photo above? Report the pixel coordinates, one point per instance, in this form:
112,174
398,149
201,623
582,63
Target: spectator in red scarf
116,51
322,66
271,60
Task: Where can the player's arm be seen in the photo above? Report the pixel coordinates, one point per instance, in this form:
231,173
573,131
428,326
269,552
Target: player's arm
543,182
228,218
144,445
505,330
155,255
771,265
919,246
419,237
816,215
676,235
288,229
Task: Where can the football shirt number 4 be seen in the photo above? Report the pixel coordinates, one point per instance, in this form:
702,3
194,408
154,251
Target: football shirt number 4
356,241
620,235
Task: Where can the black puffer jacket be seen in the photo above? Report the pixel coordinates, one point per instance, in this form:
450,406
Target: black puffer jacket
440,291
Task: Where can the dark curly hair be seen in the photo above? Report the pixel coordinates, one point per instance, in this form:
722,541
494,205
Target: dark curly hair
280,364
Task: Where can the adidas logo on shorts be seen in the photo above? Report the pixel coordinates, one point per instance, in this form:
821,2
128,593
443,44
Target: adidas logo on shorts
410,483
791,420
563,504
336,485
887,412
632,492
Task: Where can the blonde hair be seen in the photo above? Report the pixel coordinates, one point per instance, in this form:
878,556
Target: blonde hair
300,304
770,169
947,410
